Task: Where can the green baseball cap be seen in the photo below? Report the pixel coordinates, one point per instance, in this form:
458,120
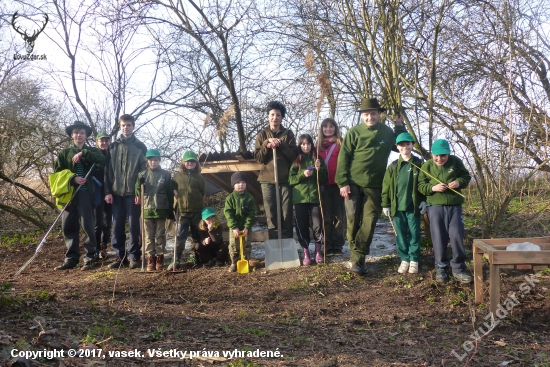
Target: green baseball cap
207,213
441,146
152,153
190,156
102,136
404,137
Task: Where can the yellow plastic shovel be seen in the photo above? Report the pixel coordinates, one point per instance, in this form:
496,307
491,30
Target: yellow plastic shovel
242,264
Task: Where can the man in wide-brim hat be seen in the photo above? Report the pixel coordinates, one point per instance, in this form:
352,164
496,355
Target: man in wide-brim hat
79,158
361,166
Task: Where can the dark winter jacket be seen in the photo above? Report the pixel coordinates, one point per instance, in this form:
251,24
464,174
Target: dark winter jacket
158,199
90,155
191,191
125,160
286,153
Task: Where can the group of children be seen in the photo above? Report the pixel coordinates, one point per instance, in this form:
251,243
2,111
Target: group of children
346,175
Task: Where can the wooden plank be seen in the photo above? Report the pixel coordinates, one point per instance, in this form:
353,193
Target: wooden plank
478,274
484,247
521,257
231,166
494,287
507,241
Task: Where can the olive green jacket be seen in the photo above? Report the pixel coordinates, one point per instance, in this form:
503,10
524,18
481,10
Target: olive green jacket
286,153
364,155
90,155
191,191
158,199
125,160
453,170
304,189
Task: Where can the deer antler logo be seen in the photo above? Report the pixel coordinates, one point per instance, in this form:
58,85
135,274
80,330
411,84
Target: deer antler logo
29,39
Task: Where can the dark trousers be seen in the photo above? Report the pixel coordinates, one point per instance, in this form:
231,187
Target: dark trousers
362,210
186,222
204,254
103,221
124,207
81,210
270,206
303,213
447,225
335,218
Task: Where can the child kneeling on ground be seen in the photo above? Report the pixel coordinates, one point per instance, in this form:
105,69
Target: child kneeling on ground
440,180
210,250
402,201
240,211
158,203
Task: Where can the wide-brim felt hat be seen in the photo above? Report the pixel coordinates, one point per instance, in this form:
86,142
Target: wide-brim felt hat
370,104
78,125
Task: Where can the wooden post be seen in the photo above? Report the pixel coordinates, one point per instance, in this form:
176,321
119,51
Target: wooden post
494,284
478,274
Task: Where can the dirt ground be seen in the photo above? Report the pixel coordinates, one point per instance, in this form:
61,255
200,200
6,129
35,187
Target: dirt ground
308,316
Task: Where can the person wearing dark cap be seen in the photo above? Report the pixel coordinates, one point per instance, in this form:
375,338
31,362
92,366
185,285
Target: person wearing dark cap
275,136
240,211
103,212
361,166
79,158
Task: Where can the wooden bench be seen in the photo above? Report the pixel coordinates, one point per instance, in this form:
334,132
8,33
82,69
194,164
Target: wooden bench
494,250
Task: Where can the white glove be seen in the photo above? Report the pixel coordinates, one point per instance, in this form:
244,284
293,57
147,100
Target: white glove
386,211
422,207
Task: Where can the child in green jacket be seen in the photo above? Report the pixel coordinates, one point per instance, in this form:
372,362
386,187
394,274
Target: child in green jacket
305,195
158,204
240,211
191,198
402,201
441,180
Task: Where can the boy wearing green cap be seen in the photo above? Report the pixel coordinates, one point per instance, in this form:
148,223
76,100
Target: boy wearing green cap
402,201
441,180
158,204
361,165
191,198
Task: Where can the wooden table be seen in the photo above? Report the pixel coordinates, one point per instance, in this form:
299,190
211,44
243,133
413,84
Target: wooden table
494,250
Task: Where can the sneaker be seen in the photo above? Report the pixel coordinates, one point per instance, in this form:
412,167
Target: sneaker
135,263
441,275
463,277
66,265
118,263
413,267
403,267
87,266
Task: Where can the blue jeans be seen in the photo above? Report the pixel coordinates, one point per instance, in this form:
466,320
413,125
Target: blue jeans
124,207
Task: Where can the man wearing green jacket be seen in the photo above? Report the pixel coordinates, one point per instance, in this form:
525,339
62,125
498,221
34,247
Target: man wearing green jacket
361,165
125,160
79,159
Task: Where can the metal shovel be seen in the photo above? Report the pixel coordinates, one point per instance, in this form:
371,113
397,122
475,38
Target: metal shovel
280,253
242,264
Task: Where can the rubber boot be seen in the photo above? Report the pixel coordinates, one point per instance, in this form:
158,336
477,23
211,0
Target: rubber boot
318,254
160,262
150,263
307,259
